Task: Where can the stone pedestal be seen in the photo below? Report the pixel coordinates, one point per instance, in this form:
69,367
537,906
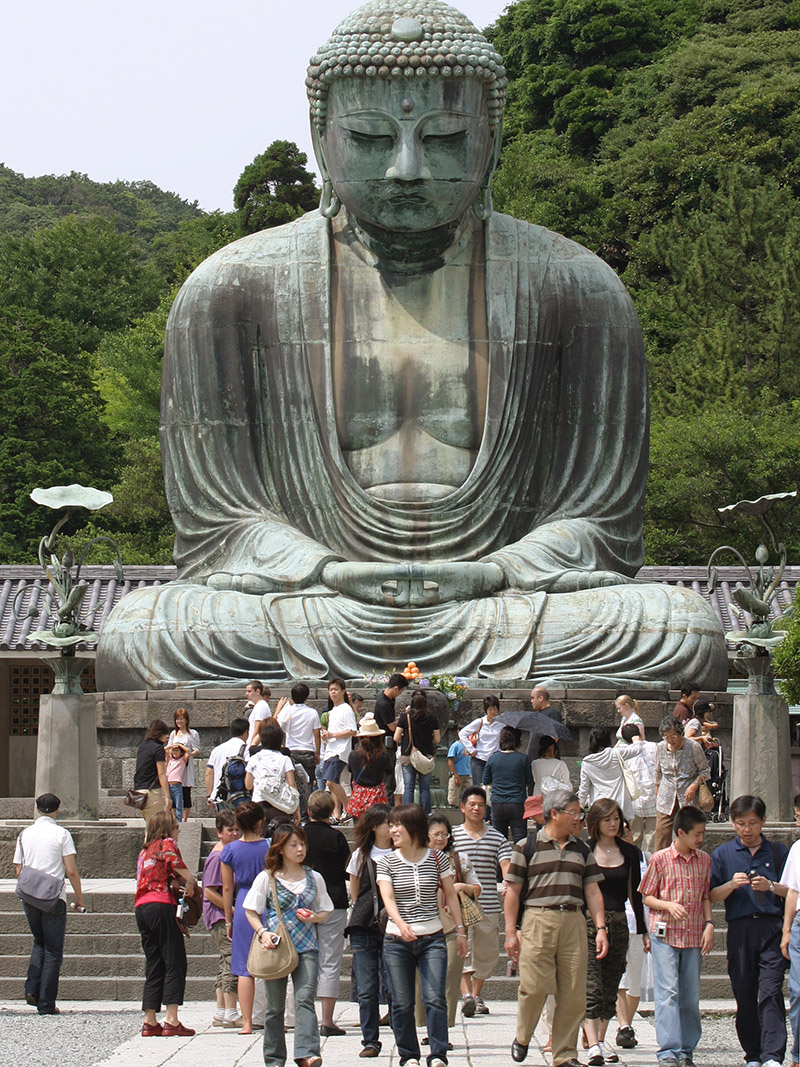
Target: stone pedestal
760,757
66,754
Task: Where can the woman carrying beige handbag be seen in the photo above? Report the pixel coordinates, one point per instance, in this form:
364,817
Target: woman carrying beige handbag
418,735
301,900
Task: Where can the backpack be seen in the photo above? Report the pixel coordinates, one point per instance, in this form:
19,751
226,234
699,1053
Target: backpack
531,844
231,790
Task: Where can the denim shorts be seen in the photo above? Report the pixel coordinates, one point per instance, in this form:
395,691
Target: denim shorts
331,770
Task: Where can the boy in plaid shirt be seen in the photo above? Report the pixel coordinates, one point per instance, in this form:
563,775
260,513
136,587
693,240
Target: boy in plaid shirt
675,888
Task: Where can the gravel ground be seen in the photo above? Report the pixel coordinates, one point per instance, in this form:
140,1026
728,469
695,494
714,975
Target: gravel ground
82,1039
75,1038
719,1046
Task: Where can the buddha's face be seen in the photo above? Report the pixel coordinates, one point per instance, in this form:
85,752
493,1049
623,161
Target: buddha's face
407,155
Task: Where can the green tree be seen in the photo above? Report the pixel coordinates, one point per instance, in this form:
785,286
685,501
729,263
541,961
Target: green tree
275,188
716,290
178,252
138,518
128,374
567,60
81,271
566,195
52,431
26,204
786,658
704,460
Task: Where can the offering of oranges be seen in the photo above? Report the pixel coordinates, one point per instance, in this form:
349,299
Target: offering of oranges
411,671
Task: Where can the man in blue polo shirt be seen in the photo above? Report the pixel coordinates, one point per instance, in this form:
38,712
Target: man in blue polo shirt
745,873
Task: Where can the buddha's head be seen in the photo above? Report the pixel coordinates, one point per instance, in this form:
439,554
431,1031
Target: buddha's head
406,113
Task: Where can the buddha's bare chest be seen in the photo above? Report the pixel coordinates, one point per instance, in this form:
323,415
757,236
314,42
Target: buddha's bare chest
410,354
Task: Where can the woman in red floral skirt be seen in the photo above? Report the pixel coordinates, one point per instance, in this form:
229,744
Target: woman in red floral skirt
369,764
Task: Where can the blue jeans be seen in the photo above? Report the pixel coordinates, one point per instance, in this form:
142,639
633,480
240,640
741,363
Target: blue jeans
676,992
410,776
794,988
306,1031
402,959
477,767
176,796
49,930
367,950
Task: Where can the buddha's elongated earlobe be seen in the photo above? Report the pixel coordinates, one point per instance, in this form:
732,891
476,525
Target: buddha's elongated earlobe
329,202
482,204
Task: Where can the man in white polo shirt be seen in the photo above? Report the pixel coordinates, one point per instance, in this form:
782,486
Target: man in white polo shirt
48,848
257,695
302,727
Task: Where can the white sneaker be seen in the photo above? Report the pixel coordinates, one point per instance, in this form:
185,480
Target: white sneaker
757,1063
770,1063
437,1063
410,1063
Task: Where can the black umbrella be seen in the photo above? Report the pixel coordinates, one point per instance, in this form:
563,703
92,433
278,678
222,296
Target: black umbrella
537,725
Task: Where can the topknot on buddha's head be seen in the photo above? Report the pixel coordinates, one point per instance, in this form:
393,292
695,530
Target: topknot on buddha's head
406,39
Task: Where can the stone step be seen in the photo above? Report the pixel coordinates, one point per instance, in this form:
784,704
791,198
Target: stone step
103,957
97,944
101,923
95,903
117,966
129,988
103,989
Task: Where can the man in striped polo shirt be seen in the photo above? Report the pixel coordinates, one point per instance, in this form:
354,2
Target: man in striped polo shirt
486,849
551,948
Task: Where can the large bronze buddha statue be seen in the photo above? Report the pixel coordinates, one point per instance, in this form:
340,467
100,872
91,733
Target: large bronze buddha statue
406,427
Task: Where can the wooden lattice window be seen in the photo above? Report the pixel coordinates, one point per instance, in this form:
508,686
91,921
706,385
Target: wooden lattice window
27,683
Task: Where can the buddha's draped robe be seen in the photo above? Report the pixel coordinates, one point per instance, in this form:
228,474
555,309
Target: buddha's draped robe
262,497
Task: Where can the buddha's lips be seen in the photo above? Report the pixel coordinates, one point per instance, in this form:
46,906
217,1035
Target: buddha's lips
408,201
407,198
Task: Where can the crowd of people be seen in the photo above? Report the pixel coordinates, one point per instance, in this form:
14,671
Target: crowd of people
612,876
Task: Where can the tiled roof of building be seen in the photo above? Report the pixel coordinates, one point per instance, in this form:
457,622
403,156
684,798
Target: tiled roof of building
23,586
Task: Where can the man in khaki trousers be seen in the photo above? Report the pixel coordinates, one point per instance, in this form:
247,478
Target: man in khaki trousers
555,876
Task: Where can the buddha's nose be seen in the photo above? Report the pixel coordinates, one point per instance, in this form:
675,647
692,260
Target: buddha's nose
409,164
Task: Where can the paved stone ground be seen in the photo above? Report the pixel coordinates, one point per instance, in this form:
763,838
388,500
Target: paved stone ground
108,1035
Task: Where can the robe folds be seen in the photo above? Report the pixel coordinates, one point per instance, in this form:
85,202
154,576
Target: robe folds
262,497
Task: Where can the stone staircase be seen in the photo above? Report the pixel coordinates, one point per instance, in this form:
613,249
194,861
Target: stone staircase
103,958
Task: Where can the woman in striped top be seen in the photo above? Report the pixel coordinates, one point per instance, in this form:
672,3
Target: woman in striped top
409,879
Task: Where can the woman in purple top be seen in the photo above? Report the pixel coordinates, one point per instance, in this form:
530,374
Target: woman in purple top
214,919
240,862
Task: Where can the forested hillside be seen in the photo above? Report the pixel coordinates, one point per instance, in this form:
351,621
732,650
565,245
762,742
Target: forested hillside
88,272
663,134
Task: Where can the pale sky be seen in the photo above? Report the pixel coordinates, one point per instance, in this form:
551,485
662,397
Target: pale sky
183,93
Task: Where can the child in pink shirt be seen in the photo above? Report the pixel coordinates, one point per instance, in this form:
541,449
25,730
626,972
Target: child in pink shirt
176,765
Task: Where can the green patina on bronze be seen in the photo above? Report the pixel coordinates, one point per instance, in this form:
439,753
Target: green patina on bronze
406,427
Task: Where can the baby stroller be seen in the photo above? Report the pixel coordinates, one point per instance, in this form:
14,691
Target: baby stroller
718,784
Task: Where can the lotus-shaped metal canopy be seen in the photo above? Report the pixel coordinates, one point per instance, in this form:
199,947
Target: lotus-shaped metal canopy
757,507
72,496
